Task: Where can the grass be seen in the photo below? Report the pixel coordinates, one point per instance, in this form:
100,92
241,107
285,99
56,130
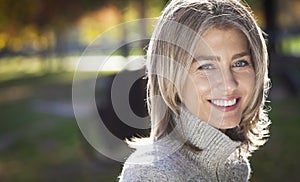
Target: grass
41,146
278,160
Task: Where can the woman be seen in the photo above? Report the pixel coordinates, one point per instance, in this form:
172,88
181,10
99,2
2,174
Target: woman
207,85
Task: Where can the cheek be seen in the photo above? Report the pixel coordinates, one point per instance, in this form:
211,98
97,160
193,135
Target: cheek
195,90
250,79
248,84
204,87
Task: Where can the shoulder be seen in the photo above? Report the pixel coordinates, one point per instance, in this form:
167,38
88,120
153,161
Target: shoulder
139,172
152,166
239,170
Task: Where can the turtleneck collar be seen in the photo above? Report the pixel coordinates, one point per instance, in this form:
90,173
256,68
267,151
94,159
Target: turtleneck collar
203,135
215,147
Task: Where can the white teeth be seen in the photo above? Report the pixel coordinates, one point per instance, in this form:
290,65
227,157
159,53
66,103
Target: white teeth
224,103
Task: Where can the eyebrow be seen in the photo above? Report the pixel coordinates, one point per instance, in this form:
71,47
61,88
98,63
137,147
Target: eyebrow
239,55
217,58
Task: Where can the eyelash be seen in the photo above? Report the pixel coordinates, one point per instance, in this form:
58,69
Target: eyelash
206,67
244,62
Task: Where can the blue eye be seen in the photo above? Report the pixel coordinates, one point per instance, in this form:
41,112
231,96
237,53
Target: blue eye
206,67
241,63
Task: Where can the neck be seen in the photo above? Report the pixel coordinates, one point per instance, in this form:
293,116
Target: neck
214,147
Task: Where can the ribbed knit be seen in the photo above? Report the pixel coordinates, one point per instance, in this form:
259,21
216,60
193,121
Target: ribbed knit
170,160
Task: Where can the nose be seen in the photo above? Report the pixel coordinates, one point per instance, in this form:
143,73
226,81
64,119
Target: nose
228,82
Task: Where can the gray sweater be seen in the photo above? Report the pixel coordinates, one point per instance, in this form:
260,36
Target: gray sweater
169,160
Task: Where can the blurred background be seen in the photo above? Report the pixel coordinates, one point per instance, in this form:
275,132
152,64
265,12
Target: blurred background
40,45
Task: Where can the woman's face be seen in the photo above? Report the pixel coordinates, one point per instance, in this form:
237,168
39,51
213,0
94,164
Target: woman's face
221,80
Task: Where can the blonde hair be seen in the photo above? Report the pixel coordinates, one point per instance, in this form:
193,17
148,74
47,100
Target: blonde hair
170,53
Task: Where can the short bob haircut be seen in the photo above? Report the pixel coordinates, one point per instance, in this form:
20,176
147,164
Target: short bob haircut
172,46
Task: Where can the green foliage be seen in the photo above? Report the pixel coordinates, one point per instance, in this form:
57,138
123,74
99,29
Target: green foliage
290,45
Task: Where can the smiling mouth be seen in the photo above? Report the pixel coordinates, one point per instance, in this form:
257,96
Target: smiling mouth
225,104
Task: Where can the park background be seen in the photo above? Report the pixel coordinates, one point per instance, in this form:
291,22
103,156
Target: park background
40,44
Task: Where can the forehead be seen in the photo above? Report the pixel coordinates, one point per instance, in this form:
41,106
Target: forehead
216,40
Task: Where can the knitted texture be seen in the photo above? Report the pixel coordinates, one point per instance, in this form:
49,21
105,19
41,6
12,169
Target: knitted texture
170,160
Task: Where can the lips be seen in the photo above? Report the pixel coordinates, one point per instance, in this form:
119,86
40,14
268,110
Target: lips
226,104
